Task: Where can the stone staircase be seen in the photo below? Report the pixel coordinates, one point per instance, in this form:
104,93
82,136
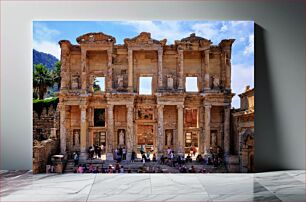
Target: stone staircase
135,166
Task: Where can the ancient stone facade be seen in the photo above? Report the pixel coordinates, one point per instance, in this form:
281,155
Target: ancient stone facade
243,131
120,115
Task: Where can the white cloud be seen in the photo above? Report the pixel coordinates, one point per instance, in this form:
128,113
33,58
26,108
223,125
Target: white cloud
43,33
47,47
170,30
249,49
242,75
206,30
43,39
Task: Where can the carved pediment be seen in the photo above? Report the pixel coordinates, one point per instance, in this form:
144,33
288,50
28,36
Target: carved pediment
98,37
194,40
144,38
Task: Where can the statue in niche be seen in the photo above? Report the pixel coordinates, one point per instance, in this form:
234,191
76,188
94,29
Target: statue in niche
215,82
75,81
169,139
121,137
214,139
76,138
170,82
120,82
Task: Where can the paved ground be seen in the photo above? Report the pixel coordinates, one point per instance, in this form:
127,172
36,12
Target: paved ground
270,186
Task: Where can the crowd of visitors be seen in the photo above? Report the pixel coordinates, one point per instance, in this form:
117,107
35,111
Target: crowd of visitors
170,158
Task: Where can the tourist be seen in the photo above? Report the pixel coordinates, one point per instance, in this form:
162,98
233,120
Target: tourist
91,168
162,159
124,153
199,158
154,157
133,156
194,150
92,151
121,169
99,152
80,169
102,148
117,167
116,154
143,158
141,149
110,169
188,159
75,158
148,156
169,152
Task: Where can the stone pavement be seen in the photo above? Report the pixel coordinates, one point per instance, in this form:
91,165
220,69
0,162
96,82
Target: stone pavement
269,186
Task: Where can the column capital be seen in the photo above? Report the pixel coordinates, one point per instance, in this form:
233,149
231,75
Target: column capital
160,106
61,106
83,107
130,106
180,106
130,51
207,106
110,106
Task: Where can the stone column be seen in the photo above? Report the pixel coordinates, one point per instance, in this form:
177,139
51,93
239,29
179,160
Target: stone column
109,78
180,129
206,70
130,130
207,128
160,68
84,70
181,69
63,131
201,126
160,129
83,143
227,114
130,70
110,132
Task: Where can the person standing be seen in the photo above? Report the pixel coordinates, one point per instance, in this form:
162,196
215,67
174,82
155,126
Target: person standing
133,156
124,153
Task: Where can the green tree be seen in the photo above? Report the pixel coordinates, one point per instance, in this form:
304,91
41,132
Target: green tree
42,79
56,74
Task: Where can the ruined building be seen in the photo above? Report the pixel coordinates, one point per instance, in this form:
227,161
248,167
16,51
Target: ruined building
168,113
243,131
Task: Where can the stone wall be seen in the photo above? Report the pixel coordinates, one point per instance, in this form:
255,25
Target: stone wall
42,152
43,122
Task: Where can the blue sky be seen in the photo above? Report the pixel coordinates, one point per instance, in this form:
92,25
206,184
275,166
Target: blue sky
46,35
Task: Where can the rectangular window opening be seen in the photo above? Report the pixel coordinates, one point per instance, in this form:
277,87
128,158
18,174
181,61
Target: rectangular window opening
145,85
192,84
99,84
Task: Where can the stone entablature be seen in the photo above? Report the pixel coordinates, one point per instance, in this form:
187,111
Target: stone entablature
167,117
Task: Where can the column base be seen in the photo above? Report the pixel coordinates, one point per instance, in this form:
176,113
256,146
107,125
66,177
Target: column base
128,156
83,156
109,156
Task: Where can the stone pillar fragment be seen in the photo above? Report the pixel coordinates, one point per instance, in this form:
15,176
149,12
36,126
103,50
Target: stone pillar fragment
180,129
83,143
160,129
207,128
130,129
206,70
227,114
227,70
109,78
63,132
130,70
181,69
160,68
110,132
